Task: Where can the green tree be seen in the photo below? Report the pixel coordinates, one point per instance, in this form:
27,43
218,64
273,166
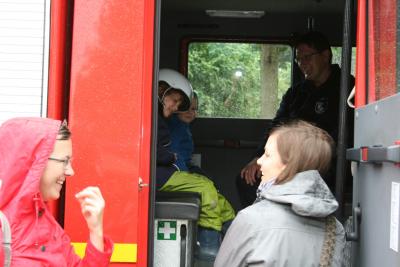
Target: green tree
227,77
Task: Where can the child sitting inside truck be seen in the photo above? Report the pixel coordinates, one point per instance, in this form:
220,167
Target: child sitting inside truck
174,94
181,137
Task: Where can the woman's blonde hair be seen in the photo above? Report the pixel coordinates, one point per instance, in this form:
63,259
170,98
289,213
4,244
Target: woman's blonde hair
302,146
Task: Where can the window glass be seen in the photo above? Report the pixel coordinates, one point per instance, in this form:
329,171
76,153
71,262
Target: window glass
239,80
337,58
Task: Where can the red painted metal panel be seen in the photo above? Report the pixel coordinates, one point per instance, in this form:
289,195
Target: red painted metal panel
360,98
57,59
386,31
371,53
110,115
56,67
146,116
382,48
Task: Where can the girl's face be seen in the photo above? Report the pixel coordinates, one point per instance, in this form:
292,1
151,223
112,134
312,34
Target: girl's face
271,163
57,169
171,103
189,115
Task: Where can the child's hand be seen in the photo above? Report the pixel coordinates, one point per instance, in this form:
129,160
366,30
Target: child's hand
92,207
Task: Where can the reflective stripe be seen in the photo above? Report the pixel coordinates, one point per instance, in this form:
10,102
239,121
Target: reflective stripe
121,253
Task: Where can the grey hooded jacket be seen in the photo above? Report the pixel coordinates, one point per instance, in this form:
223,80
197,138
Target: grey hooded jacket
284,227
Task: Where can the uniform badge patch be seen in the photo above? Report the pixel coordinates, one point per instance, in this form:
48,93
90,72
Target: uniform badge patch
321,106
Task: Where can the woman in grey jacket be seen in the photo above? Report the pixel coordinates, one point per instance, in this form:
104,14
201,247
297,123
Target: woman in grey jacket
291,223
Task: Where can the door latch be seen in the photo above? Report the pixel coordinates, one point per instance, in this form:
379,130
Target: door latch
141,184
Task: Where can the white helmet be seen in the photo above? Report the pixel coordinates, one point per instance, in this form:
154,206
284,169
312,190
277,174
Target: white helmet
178,82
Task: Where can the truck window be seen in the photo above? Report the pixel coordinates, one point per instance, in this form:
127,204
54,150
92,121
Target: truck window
239,80
337,57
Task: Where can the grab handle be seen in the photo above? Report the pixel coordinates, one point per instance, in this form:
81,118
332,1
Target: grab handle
355,235
183,245
375,154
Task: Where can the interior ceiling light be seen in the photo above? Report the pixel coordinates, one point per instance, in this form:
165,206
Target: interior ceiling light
235,13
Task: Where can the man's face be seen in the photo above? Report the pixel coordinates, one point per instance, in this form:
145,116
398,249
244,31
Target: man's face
312,63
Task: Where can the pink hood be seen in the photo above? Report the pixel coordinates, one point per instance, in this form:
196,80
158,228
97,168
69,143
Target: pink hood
25,145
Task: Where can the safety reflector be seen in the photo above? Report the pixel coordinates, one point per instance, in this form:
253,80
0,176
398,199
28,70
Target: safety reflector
121,253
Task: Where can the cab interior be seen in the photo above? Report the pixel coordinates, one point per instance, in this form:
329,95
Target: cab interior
226,141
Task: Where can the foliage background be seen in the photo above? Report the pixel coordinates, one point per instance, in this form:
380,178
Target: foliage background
212,67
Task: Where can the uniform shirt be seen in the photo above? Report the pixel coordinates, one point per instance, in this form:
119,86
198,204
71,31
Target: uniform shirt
317,105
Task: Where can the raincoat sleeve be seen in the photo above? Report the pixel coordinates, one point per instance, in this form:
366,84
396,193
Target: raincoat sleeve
238,243
93,257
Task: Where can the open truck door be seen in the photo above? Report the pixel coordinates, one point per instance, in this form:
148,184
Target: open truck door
110,116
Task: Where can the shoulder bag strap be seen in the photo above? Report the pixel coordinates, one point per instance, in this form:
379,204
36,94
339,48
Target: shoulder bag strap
328,248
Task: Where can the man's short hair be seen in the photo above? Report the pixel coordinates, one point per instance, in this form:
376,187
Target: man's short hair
313,39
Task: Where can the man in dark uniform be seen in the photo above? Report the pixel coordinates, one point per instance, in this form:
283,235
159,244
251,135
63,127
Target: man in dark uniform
315,99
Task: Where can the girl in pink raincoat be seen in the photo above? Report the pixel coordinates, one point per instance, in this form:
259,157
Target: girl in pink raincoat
35,160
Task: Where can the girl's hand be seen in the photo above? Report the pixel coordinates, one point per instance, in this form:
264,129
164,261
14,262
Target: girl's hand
92,208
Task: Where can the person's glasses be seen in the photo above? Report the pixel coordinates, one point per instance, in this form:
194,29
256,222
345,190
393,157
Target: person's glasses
194,109
305,58
66,162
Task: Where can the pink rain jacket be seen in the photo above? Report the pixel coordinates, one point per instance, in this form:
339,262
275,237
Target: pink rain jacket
37,238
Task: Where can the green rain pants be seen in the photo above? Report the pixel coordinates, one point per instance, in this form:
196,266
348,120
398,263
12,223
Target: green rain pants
215,209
